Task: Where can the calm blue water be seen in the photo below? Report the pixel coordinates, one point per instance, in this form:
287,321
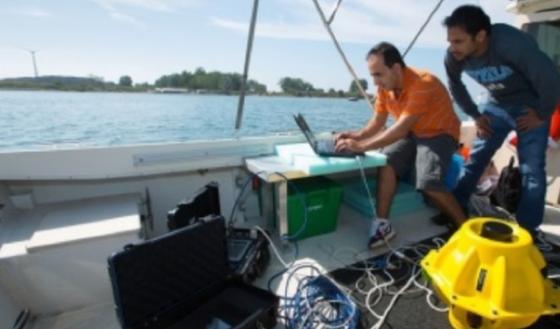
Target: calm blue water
31,120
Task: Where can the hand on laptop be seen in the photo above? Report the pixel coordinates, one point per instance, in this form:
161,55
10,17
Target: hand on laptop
348,144
347,134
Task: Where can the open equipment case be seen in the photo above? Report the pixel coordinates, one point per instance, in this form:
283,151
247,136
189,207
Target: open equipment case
183,280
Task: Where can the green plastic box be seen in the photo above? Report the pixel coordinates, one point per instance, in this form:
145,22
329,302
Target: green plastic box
322,198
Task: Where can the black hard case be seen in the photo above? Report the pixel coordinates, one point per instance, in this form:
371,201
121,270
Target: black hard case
182,280
204,202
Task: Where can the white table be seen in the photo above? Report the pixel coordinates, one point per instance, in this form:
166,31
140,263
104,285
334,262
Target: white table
297,161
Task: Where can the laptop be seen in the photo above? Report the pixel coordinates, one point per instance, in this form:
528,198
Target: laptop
322,147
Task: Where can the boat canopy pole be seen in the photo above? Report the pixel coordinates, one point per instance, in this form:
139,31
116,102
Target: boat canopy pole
337,45
327,24
246,69
335,9
422,28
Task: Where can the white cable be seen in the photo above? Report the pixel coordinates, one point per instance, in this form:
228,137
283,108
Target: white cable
323,303
430,293
392,303
377,288
273,246
373,212
364,180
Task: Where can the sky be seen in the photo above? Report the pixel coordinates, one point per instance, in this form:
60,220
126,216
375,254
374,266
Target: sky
146,39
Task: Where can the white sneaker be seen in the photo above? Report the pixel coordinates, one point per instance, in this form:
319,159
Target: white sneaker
380,231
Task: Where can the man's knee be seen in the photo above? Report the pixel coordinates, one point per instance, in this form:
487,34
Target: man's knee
386,171
430,184
532,166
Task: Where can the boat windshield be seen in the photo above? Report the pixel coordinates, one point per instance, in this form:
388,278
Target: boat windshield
547,35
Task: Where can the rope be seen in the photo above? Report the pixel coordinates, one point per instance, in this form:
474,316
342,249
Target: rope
335,9
341,52
327,24
422,28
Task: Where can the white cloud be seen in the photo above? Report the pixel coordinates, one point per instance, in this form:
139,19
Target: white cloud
274,30
116,8
153,5
31,11
116,14
123,18
363,21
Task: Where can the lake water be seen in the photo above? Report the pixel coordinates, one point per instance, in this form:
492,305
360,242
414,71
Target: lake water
31,120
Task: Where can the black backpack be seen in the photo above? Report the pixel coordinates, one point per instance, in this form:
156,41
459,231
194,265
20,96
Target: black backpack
508,191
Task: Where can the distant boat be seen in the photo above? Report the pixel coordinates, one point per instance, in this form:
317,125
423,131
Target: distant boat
354,99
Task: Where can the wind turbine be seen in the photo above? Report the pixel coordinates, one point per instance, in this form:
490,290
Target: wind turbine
32,52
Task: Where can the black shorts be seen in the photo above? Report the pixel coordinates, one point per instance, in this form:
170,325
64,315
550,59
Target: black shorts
430,157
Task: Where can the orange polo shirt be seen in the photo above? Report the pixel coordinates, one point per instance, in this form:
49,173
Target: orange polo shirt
424,95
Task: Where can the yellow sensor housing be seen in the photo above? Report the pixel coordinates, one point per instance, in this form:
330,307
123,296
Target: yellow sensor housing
492,276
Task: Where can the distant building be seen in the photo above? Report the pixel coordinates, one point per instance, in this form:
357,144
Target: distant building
172,90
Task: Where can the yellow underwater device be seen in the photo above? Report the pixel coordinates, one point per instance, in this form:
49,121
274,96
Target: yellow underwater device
492,276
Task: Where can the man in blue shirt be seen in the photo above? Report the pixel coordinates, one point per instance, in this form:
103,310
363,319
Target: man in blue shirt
524,88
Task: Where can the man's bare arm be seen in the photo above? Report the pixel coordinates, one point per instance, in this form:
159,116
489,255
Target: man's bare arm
397,131
373,126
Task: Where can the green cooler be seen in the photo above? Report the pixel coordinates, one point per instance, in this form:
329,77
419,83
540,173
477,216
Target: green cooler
322,198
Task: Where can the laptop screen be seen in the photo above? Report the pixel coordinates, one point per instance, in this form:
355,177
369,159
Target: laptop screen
302,124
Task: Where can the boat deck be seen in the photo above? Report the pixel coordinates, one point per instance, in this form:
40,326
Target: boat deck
343,247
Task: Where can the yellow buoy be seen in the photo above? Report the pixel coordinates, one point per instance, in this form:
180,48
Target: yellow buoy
492,276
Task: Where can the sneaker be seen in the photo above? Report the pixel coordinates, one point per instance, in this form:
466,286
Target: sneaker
381,230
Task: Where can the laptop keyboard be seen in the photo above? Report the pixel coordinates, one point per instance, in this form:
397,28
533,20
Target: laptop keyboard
326,145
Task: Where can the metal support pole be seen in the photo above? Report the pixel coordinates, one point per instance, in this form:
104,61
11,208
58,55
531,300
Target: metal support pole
34,63
356,79
246,69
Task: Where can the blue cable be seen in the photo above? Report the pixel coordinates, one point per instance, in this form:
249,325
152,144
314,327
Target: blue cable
312,290
303,203
301,229
235,204
318,291
291,238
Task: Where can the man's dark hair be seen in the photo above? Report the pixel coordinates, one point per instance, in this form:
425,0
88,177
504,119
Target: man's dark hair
390,53
471,18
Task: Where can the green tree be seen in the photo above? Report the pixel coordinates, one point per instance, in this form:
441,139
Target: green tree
255,87
186,78
214,81
125,81
353,90
175,80
296,86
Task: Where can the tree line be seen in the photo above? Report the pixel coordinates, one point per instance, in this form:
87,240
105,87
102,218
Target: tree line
299,87
224,83
228,83
199,80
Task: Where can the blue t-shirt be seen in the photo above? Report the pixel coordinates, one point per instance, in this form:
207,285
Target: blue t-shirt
513,70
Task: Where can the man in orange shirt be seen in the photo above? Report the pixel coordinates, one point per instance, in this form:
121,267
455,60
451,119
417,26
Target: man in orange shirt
424,136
